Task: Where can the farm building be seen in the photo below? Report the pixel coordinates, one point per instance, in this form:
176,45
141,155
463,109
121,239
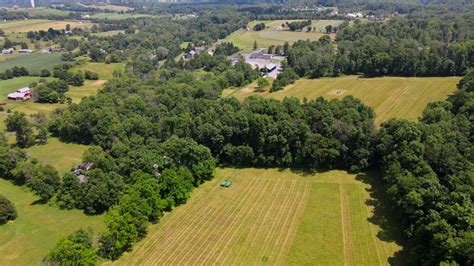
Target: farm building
195,51
25,51
22,94
7,51
260,55
270,67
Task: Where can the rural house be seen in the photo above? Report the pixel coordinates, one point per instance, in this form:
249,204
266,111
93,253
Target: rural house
25,51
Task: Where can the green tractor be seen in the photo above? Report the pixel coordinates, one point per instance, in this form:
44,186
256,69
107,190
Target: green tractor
226,183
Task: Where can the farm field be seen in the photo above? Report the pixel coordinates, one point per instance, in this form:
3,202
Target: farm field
117,16
41,24
63,156
271,36
33,62
269,216
389,96
104,70
26,240
42,11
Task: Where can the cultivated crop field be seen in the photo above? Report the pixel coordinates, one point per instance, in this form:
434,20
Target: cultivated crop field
41,24
389,96
271,36
269,216
26,240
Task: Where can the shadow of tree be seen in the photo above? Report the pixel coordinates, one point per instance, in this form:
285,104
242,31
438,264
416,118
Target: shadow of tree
385,216
39,202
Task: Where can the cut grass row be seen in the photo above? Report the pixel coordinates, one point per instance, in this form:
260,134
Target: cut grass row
268,216
389,96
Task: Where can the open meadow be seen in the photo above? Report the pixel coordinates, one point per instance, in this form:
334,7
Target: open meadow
269,216
43,11
33,62
41,24
389,96
272,35
118,16
26,240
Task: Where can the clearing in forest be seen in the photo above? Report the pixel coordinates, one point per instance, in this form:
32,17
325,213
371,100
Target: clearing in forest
268,216
389,96
26,240
275,34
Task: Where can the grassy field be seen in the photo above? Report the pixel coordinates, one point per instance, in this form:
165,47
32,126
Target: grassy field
26,240
63,156
109,33
104,70
271,36
269,216
117,16
41,24
42,11
389,96
33,62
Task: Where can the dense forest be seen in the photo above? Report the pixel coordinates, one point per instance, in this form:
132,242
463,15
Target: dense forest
415,46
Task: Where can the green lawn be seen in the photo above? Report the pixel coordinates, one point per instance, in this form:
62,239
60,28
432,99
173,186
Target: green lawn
272,36
63,156
389,96
26,240
33,62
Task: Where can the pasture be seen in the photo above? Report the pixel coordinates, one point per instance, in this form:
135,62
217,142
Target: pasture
389,96
272,35
41,24
43,12
33,62
26,240
269,216
104,70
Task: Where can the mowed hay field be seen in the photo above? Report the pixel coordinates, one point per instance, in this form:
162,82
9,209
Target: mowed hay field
268,216
26,240
271,36
389,96
41,24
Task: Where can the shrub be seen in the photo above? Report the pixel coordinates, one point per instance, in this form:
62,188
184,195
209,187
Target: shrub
7,210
